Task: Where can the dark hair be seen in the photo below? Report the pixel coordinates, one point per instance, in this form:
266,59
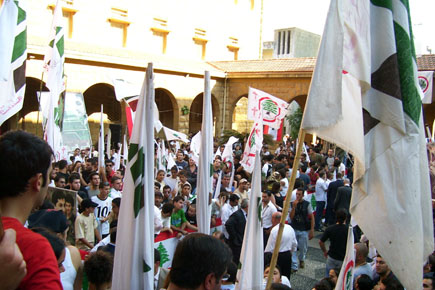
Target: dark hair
324,284
56,243
197,256
104,184
93,174
392,283
234,197
98,268
69,199
114,178
57,195
59,177
341,215
232,271
178,198
22,156
182,173
62,164
279,286
166,186
73,177
167,207
117,201
364,282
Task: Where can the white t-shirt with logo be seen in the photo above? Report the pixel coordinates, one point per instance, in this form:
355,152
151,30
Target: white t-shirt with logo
101,211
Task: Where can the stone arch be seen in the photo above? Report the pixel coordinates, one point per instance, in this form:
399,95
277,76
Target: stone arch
168,108
239,112
301,100
103,93
195,114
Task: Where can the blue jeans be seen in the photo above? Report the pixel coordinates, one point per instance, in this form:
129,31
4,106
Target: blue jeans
302,238
332,263
320,205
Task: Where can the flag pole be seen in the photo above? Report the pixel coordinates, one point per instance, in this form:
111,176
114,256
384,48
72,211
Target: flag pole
285,209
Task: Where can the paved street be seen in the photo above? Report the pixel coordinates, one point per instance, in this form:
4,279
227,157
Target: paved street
314,266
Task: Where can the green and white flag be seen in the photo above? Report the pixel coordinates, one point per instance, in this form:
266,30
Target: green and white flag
204,188
13,55
272,109
53,69
175,135
134,255
253,145
250,274
364,97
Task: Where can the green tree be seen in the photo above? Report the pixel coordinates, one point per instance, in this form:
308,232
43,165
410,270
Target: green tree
164,257
295,120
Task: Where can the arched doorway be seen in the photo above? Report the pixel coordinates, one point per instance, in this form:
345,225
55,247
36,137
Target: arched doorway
103,94
168,108
195,115
240,121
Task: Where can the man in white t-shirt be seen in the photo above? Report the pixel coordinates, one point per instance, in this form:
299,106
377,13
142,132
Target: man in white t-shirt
266,214
103,208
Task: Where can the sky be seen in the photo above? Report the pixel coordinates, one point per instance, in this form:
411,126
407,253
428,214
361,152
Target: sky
310,15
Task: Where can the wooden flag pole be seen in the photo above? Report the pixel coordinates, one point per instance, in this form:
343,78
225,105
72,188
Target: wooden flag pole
286,208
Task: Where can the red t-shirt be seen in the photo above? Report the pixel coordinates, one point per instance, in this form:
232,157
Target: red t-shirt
42,268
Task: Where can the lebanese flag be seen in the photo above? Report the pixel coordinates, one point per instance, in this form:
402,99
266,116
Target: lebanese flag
275,133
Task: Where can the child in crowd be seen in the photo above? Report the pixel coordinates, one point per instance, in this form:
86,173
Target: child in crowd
166,213
191,216
86,226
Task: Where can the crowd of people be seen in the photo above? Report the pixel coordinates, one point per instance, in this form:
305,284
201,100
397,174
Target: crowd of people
63,218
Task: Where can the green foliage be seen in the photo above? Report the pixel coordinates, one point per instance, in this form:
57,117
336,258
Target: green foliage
295,120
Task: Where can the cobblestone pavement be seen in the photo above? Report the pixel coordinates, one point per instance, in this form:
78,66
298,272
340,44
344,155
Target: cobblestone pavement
314,270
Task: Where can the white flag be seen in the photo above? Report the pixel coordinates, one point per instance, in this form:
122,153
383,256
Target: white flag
204,188
108,144
271,108
175,135
250,275
117,164
125,146
13,55
364,97
228,151
134,255
253,144
101,141
345,279
425,80
54,60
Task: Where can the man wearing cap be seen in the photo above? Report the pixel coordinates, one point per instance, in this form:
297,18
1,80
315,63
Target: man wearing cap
24,175
242,190
86,226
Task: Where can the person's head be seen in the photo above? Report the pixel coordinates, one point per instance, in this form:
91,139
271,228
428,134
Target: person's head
330,152
244,204
116,183
95,179
178,202
52,220
74,181
381,266
346,181
167,209
333,275
226,180
59,181
88,206
116,204
364,282
234,199
180,156
185,190
266,196
361,252
160,175
57,244
200,261
182,175
58,199
109,165
243,184
217,163
322,174
192,162
157,260
192,210
276,218
341,215
231,274
98,268
69,205
276,273
62,164
104,190
174,171
300,194
324,284
166,192
390,283
158,198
